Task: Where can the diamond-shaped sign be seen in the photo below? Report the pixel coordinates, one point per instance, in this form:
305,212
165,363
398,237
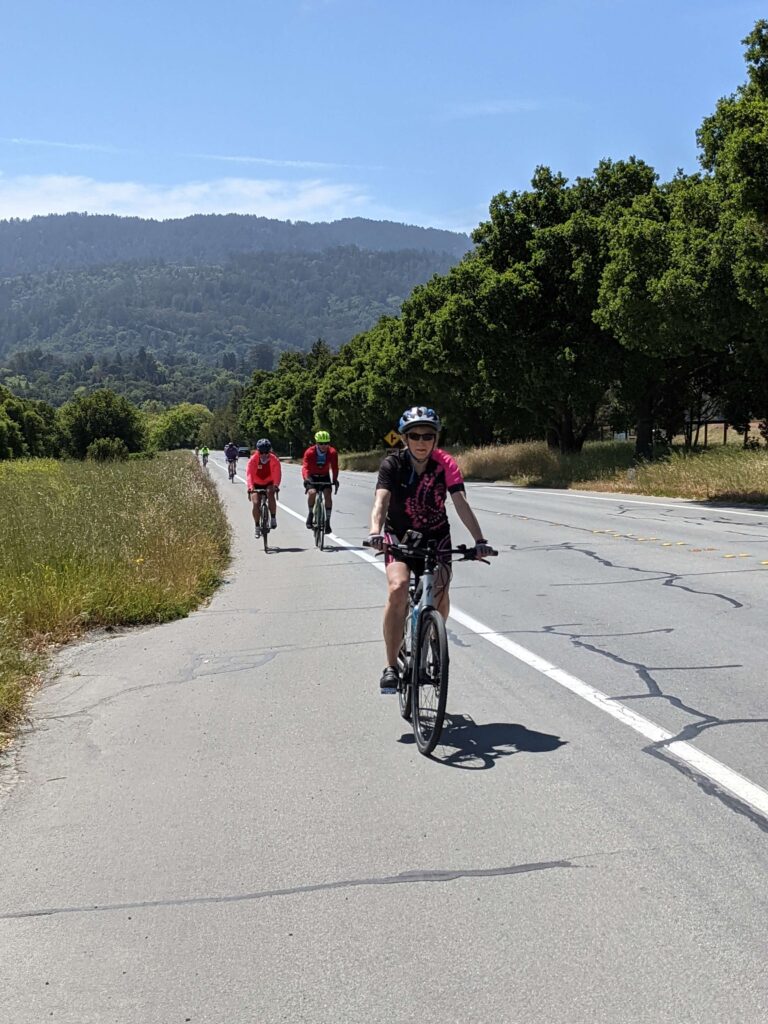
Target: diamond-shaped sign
391,438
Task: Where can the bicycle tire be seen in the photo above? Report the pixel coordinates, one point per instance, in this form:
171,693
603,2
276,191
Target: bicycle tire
264,516
430,681
320,520
404,669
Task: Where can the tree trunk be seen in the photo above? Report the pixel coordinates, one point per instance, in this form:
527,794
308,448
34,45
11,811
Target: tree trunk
644,431
553,438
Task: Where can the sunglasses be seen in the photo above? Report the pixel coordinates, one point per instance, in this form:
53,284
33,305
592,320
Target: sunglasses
413,436
322,444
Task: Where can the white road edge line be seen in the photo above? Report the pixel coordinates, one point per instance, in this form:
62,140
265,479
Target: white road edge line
631,501
719,773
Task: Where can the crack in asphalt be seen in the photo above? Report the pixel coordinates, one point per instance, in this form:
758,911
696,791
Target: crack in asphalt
405,878
667,579
689,732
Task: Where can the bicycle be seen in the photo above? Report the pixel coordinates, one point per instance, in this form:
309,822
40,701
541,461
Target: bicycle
422,662
205,461
231,469
319,511
264,519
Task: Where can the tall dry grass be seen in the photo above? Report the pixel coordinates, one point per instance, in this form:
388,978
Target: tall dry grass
725,472
533,464
91,544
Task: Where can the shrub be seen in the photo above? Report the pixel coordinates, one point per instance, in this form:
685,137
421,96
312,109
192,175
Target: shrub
107,449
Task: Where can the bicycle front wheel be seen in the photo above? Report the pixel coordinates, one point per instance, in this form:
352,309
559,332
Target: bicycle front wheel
430,681
320,521
265,525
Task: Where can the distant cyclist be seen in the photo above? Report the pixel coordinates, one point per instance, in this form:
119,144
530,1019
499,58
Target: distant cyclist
411,491
320,468
230,454
263,471
204,453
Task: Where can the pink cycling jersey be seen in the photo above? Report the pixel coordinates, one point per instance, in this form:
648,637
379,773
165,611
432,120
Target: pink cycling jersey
417,501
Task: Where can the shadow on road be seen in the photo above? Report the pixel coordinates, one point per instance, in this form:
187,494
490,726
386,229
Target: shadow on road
465,744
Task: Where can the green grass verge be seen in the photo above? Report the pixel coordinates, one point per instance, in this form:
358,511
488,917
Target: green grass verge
94,544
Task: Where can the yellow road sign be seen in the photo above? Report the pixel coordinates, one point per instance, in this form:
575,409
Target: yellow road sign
391,438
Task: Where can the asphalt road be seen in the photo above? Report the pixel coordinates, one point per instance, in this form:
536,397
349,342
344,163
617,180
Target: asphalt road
219,820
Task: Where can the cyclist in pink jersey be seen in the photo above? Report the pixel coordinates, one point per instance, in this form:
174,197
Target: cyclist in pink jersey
411,492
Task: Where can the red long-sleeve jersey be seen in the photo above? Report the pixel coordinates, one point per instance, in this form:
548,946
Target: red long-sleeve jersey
258,474
311,467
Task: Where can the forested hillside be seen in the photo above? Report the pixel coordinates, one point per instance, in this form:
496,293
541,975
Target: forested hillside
86,240
171,333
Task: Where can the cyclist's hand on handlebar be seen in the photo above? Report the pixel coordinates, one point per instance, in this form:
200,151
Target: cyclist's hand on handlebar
483,549
376,540
335,486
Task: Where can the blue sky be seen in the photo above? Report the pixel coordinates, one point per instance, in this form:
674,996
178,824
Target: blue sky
415,111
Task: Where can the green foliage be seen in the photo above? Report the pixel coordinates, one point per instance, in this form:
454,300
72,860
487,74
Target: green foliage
102,414
77,240
107,449
281,405
182,426
26,427
190,333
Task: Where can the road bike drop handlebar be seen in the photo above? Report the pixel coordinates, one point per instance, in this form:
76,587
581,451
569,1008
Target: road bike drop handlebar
312,485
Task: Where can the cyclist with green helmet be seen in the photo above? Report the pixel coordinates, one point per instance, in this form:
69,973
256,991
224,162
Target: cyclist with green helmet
320,468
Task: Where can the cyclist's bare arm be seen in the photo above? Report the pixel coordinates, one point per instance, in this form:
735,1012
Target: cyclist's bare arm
466,515
379,510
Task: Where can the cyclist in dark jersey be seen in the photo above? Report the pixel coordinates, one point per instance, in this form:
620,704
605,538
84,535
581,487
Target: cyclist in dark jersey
411,492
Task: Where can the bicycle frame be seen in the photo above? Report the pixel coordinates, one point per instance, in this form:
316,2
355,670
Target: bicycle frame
422,615
319,509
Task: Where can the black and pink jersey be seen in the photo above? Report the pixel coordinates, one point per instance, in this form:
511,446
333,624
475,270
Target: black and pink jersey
417,501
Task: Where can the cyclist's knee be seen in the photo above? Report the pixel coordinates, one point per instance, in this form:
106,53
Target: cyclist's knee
398,591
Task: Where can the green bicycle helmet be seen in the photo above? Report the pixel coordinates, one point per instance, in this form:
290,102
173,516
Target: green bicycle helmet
322,437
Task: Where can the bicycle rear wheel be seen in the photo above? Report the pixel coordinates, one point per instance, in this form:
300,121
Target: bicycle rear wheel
320,520
430,681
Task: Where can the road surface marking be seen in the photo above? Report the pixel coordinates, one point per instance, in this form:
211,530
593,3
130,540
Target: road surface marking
738,785
631,501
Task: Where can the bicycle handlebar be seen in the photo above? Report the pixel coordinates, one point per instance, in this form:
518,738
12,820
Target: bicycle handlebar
468,554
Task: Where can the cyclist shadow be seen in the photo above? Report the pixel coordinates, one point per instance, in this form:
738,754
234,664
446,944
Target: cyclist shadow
477,747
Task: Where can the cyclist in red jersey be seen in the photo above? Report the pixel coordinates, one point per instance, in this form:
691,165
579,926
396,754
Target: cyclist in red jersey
263,470
411,492
320,468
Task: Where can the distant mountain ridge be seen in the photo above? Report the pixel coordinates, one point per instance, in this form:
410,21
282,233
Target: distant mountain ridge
79,240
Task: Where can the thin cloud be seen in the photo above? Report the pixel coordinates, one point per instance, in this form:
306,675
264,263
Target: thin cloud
272,162
311,199
51,144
